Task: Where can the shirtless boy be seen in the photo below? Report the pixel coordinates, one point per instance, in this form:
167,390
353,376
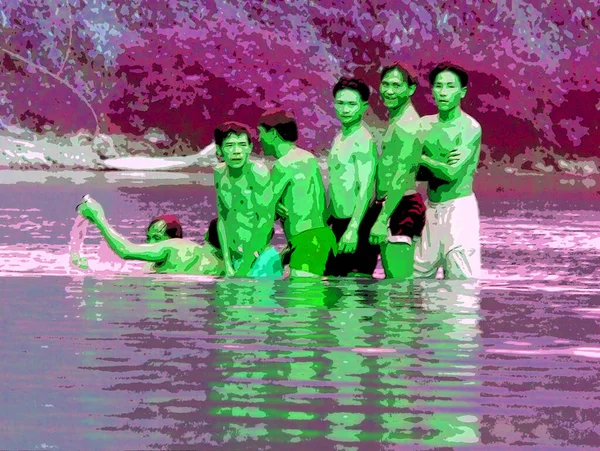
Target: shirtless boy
299,195
451,147
165,248
351,163
245,206
401,208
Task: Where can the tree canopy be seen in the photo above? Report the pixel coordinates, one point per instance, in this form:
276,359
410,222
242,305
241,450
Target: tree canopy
182,67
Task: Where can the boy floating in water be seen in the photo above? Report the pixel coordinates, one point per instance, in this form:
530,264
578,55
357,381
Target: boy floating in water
401,209
245,207
299,193
165,248
352,163
451,146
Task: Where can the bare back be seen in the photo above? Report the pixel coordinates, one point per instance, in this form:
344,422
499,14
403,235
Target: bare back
187,257
298,178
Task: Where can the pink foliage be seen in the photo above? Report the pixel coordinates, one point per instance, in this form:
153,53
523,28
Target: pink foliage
186,66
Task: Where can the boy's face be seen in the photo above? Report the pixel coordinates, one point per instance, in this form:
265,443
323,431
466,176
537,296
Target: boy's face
235,150
394,89
157,232
447,91
349,107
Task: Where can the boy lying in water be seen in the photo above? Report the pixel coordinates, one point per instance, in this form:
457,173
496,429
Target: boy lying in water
165,248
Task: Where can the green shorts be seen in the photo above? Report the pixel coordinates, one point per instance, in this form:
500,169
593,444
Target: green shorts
310,250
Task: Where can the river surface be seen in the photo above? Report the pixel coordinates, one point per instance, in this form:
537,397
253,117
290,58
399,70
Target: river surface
110,359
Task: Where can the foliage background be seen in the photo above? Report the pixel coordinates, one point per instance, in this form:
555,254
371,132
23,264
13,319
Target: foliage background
182,67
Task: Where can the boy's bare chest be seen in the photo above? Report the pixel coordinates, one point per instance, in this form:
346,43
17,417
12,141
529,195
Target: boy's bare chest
440,140
341,154
239,195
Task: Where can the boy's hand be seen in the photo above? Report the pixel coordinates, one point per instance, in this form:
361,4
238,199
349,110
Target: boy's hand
90,209
281,210
349,241
378,233
456,154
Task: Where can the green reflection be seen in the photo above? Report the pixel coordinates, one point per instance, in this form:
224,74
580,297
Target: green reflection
343,361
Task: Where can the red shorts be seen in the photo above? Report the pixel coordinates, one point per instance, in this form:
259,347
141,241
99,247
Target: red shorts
406,222
408,218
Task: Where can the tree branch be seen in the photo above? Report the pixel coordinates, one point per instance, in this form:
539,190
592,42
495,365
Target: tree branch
60,80
64,61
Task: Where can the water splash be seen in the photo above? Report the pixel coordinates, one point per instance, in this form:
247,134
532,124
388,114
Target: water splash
103,259
108,261
76,239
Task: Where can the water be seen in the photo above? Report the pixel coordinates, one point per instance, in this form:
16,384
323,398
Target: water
122,361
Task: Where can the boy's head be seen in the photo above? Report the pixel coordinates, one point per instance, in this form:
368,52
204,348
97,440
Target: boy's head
163,228
449,85
351,99
233,143
275,126
397,85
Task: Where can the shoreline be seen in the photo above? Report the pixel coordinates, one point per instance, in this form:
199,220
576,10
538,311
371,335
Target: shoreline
488,183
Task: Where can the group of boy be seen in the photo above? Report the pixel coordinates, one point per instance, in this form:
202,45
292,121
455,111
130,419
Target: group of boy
373,209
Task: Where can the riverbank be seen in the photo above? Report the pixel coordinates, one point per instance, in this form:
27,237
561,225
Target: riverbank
81,155
24,150
488,184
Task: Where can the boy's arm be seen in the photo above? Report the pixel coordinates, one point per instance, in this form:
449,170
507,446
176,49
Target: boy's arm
93,211
405,140
155,252
279,181
365,161
222,234
459,158
222,212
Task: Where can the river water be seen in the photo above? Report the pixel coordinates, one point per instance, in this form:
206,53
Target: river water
110,359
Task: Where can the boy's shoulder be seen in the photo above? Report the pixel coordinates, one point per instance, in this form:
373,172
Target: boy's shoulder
260,172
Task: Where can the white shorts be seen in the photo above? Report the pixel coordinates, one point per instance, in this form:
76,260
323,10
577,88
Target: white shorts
450,239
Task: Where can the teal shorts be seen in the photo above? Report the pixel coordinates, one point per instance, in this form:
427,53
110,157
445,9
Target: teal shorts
267,266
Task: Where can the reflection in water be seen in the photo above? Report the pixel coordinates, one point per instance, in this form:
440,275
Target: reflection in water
126,362
281,362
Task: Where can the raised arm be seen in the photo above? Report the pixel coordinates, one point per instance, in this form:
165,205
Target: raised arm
468,143
93,211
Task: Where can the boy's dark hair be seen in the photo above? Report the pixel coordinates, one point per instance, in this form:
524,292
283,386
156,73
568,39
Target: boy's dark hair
227,128
282,121
443,67
408,76
174,229
356,84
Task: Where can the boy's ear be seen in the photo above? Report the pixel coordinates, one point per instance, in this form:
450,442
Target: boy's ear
219,152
